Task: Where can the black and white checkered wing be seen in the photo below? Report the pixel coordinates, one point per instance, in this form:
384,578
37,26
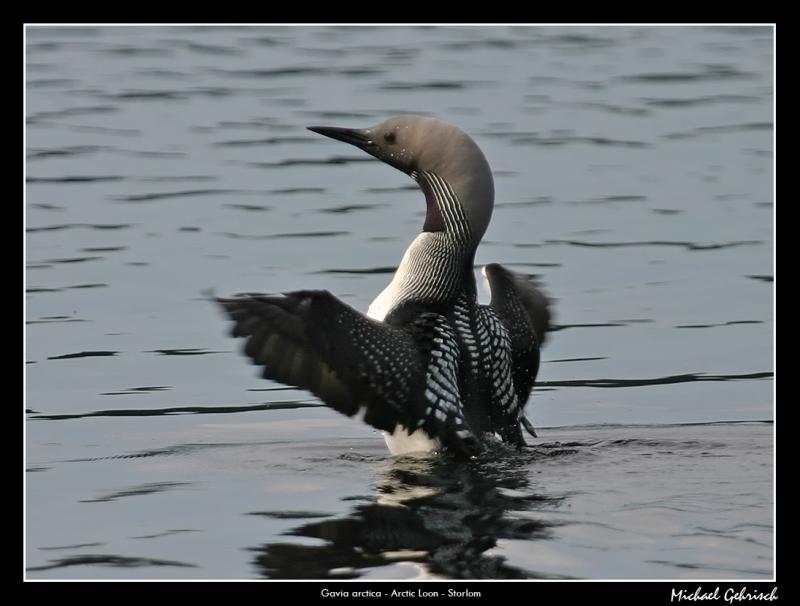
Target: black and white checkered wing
505,407
441,408
525,312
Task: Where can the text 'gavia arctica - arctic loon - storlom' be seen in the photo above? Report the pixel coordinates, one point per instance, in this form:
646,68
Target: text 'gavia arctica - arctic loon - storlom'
427,364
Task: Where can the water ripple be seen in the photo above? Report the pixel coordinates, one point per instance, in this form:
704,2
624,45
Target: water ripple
308,234
136,491
365,270
336,115
62,288
184,352
138,390
199,410
84,354
577,139
207,49
574,360
166,533
265,141
48,207
433,85
71,111
50,82
289,515
611,199
330,160
62,226
64,152
247,207
136,51
729,323
669,380
69,260
177,194
715,72
76,179
694,101
53,320
348,208
114,561
762,278
693,246
78,546
722,129
277,72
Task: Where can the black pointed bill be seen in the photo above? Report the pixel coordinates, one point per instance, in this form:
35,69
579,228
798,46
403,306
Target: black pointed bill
353,136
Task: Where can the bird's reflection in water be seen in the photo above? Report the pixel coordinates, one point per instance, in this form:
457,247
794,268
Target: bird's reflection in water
439,513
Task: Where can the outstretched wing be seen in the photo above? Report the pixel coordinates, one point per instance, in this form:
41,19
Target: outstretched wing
525,312
312,340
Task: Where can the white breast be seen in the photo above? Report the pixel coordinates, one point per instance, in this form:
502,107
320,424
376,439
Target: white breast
392,294
385,301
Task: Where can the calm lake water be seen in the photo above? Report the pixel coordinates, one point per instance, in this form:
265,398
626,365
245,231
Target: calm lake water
634,175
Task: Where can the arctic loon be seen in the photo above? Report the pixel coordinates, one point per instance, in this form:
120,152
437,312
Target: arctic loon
427,364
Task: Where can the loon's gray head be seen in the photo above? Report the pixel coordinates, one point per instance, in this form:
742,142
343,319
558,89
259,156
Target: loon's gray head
421,146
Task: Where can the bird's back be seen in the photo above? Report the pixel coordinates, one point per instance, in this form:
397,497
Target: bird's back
469,369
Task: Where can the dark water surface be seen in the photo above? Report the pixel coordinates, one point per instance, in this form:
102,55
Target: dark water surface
633,172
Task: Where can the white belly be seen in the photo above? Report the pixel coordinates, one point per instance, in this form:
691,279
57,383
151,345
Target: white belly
400,442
